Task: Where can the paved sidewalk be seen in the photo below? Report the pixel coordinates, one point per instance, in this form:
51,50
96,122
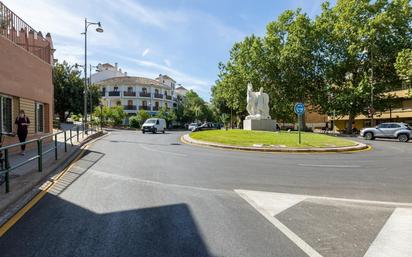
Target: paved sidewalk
25,178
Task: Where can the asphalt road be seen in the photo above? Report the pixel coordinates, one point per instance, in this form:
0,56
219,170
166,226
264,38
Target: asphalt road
151,195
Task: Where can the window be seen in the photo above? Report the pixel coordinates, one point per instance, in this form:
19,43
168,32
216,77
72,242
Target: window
116,88
6,119
156,91
129,102
144,90
130,89
144,103
394,126
157,104
39,117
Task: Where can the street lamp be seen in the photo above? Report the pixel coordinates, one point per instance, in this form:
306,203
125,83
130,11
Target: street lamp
90,92
100,30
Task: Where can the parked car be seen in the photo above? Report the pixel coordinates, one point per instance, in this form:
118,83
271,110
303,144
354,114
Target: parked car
192,126
401,131
206,126
154,125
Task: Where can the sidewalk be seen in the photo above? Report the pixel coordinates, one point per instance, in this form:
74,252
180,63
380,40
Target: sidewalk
25,178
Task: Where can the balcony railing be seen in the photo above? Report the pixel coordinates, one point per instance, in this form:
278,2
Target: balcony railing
128,93
144,94
144,107
158,96
19,32
114,93
169,97
130,107
103,93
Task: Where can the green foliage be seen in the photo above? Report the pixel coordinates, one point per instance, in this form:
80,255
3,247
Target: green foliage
109,115
142,116
134,122
75,117
403,66
68,91
167,114
331,62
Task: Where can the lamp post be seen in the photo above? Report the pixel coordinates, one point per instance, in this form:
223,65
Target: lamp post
100,30
90,92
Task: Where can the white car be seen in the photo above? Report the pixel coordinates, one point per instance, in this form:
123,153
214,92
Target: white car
193,126
154,125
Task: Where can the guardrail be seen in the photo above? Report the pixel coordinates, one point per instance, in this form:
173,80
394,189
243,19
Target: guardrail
7,168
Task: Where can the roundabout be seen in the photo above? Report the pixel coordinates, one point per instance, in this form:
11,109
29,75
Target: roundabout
264,141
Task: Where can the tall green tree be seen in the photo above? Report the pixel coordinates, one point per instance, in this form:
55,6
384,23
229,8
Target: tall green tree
68,90
403,66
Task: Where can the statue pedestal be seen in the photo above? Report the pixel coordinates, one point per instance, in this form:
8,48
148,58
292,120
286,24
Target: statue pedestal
266,125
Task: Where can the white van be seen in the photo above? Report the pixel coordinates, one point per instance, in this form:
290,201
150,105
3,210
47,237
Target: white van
154,125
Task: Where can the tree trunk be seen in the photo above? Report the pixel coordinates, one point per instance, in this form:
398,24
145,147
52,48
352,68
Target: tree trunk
349,126
62,117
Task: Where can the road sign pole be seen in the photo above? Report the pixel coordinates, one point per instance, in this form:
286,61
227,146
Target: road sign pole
299,122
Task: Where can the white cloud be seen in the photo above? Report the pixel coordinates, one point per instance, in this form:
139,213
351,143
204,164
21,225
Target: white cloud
145,52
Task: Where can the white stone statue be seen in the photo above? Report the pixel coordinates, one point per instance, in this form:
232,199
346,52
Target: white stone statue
257,104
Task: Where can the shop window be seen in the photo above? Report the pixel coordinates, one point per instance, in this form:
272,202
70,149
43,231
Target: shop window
6,119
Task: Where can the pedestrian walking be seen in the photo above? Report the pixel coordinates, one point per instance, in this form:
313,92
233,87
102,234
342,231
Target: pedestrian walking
22,122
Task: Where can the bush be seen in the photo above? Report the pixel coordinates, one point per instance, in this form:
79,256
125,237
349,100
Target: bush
75,117
134,122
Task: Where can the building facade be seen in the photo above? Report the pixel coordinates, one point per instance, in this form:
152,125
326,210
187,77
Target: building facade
26,59
400,111
106,71
138,93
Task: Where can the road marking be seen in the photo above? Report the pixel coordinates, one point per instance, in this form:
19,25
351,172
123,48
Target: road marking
329,166
254,199
161,151
395,238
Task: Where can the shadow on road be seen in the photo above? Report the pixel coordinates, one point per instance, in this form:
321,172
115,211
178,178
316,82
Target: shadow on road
58,227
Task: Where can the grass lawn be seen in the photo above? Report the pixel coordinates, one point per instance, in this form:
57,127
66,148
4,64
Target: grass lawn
283,139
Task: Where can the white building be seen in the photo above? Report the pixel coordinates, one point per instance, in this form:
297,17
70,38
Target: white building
106,71
138,93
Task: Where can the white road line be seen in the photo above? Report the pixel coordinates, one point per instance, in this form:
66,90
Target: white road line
279,225
329,166
277,195
395,238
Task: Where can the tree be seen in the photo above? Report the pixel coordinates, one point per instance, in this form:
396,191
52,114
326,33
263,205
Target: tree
110,115
142,116
68,91
403,66
358,43
167,114
134,122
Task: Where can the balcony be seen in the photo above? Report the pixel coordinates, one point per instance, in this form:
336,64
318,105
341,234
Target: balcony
144,107
156,108
103,93
168,97
144,94
130,107
160,96
129,93
114,93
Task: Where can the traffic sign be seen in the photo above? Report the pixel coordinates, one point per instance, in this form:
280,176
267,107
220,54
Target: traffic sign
299,108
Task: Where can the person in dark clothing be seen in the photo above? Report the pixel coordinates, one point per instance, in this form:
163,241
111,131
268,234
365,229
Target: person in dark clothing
22,122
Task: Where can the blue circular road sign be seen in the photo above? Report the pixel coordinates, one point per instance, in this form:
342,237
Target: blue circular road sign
299,108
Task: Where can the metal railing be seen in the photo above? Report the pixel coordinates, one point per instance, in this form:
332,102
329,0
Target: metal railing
68,137
18,31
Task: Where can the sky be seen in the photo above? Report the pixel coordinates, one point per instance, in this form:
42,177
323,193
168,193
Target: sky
185,39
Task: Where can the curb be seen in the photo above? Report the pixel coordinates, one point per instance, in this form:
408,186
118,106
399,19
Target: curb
20,200
358,147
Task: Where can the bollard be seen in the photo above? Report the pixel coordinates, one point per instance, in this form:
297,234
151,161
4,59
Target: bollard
65,139
6,178
40,154
77,131
55,147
